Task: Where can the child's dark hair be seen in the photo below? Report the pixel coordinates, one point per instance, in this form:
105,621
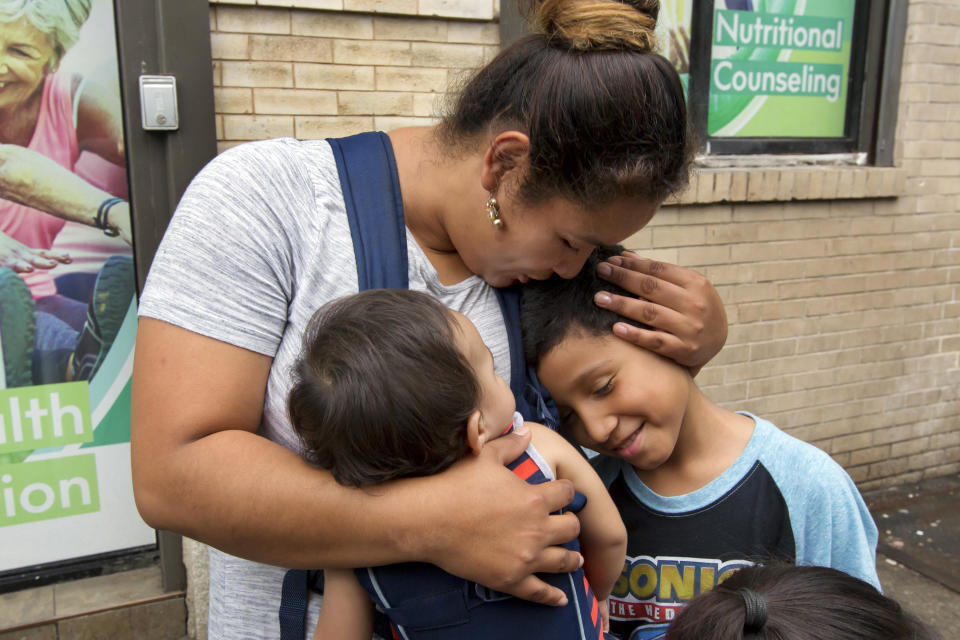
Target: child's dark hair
605,115
381,389
785,602
550,309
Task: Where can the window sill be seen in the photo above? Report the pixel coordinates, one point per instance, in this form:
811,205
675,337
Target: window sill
761,184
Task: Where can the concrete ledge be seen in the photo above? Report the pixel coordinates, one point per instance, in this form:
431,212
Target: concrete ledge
710,185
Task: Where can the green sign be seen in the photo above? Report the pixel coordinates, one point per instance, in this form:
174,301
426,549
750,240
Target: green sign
42,416
48,489
780,69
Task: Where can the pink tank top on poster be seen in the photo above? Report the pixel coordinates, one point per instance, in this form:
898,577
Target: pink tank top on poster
55,136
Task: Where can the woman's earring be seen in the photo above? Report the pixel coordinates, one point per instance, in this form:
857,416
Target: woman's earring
493,212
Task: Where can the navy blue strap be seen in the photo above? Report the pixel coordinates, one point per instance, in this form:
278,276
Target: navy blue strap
533,401
293,604
371,192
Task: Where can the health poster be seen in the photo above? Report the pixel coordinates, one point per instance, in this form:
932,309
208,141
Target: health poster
67,288
779,68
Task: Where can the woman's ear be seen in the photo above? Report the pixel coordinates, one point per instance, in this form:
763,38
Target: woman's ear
509,150
476,436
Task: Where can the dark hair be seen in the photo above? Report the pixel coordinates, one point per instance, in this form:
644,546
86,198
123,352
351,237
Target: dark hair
606,116
381,390
550,309
797,603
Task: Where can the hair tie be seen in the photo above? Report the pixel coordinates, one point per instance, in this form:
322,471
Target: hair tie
756,610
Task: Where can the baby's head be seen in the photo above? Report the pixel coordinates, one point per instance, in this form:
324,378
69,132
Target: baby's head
785,602
613,397
391,384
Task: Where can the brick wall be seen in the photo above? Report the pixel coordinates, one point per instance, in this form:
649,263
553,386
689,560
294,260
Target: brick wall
844,313
281,71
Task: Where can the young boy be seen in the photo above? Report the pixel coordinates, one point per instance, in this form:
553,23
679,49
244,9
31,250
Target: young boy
392,384
702,490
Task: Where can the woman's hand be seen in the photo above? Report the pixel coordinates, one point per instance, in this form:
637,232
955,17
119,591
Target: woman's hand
689,324
481,522
23,259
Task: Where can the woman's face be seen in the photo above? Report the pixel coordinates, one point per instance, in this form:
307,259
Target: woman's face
25,54
554,236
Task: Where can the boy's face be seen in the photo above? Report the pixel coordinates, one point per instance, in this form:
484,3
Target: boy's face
617,399
497,403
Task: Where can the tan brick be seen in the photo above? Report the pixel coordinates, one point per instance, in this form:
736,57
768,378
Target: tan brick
409,29
428,104
223,145
428,54
256,127
473,32
227,100
313,127
291,48
678,237
373,52
474,9
218,126
738,186
721,185
408,7
375,103
295,101
410,79
230,46
705,192
256,74
253,20
332,25
333,76
389,123
333,5
871,454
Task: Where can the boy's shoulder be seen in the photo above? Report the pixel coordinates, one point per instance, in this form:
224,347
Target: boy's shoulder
779,451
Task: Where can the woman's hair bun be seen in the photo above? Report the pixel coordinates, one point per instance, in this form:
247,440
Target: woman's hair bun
596,24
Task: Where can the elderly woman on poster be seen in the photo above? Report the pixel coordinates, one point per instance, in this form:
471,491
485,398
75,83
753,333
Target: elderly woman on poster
47,118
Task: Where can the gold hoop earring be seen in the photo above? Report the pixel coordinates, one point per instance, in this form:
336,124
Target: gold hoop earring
493,212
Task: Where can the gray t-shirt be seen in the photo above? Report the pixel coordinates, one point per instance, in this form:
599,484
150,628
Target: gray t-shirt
259,241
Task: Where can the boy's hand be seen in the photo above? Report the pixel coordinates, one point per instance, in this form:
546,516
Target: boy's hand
685,311
498,530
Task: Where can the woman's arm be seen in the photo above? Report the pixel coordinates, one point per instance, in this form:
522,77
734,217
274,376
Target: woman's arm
603,538
99,124
686,312
347,612
200,469
34,180
23,259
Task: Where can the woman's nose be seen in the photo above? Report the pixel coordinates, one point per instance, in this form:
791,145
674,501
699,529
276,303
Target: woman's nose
571,265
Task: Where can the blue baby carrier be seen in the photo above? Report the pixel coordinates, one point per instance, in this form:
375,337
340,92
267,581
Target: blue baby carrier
371,193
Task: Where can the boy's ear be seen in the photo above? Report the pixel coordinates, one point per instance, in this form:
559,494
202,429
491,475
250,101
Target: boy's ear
476,436
509,150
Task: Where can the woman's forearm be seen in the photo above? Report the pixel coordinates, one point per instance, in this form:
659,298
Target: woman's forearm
32,179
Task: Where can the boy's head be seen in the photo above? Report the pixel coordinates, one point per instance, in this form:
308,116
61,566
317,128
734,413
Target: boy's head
390,383
613,397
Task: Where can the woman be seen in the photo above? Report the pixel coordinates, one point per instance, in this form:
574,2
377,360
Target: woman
47,118
572,137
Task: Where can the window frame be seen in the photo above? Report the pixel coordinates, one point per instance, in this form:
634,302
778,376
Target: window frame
862,89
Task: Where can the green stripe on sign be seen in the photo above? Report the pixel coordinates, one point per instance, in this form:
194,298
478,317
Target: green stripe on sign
49,415
48,489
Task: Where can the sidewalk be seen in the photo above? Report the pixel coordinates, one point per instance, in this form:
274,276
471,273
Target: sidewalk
918,555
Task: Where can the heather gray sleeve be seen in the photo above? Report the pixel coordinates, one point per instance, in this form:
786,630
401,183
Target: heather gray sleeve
225,267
